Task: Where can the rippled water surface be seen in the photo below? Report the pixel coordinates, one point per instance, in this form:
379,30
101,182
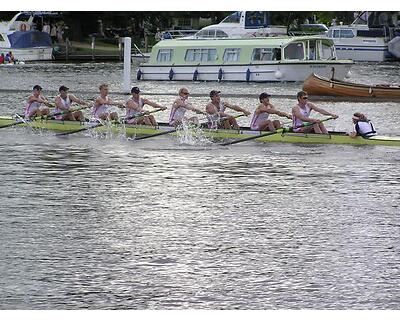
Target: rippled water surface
109,223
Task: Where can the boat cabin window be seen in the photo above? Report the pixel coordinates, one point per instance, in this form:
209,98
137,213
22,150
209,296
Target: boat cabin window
164,55
211,33
326,51
342,33
221,34
256,19
231,54
293,51
201,55
233,18
265,54
312,50
1,37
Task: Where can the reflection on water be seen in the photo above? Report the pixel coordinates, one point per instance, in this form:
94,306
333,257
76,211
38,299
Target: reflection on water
165,223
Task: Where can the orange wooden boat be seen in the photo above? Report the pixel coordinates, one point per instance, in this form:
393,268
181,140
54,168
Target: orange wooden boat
317,85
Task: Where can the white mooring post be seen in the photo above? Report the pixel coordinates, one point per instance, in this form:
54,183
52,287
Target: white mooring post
127,64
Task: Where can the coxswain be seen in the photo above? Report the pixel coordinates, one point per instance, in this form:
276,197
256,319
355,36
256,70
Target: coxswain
34,106
63,103
362,126
179,108
216,111
134,106
301,114
102,103
260,119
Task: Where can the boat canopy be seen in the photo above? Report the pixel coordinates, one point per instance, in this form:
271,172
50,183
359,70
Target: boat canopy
29,39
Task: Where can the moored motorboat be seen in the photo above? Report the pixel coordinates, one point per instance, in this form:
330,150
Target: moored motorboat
248,60
318,85
244,132
368,37
25,44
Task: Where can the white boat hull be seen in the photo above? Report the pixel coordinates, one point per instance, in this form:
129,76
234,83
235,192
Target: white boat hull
30,54
364,49
288,72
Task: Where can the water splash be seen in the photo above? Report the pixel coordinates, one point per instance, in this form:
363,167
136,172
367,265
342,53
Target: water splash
191,134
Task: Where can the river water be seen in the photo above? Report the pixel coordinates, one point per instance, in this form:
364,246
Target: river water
109,223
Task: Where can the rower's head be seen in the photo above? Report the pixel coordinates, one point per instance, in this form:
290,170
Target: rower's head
37,89
135,91
264,96
215,95
184,92
302,97
103,89
358,116
63,90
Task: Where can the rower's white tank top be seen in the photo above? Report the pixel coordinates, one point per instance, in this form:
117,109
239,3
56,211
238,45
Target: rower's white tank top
178,113
98,110
133,112
305,112
257,119
29,107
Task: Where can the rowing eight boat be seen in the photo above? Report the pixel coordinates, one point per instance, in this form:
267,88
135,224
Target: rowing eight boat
244,132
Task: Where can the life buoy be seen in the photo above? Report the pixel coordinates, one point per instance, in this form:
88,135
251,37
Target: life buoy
22,27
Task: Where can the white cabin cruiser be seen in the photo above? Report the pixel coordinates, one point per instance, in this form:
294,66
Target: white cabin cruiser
368,37
243,24
248,60
26,44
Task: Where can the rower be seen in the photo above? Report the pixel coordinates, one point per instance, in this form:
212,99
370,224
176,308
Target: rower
179,108
301,113
260,119
102,103
63,103
134,106
33,107
362,126
216,110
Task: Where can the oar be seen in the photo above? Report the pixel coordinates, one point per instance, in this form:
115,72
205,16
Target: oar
176,129
103,123
38,117
270,133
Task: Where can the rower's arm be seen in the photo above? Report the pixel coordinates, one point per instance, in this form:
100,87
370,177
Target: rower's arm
271,109
41,99
99,101
191,108
210,109
153,104
117,103
237,108
77,100
322,111
281,113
